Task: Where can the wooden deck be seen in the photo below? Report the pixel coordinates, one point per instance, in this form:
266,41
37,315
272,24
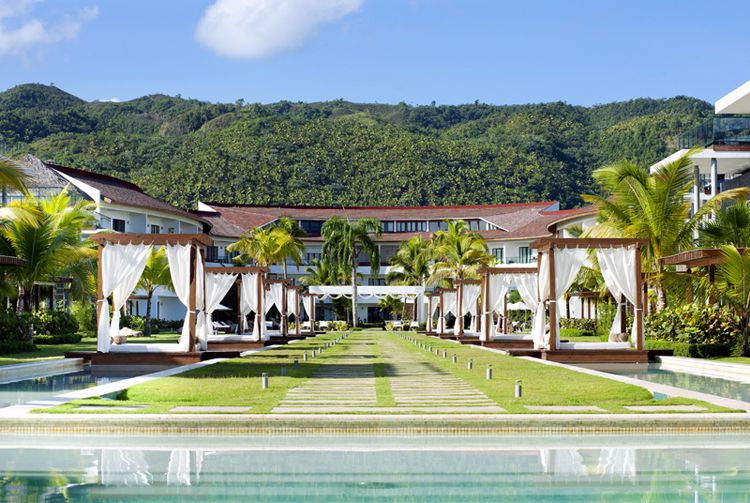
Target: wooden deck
499,343
584,355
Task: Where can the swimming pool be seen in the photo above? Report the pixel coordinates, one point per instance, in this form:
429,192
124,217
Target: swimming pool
38,388
561,469
712,385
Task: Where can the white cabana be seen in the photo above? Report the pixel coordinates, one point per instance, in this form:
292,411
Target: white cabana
217,287
122,259
467,295
496,283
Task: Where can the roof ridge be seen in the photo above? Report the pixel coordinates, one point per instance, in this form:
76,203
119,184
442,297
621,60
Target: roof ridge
324,207
99,176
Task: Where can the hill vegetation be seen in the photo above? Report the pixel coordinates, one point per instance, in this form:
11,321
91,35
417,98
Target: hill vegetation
338,152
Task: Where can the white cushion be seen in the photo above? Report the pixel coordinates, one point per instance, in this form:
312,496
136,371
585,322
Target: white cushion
232,338
146,348
594,345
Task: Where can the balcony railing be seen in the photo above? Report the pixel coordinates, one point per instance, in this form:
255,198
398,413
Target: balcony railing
722,130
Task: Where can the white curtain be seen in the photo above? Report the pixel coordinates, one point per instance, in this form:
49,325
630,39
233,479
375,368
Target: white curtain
568,262
201,322
179,268
308,305
618,462
469,295
618,269
121,467
249,303
122,267
498,287
217,286
291,301
178,470
274,296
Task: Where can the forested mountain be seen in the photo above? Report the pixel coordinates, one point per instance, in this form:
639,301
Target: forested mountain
338,152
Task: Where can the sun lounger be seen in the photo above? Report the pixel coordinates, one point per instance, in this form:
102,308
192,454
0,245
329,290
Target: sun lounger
397,325
414,325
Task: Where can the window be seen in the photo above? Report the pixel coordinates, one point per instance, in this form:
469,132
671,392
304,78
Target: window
311,226
154,229
212,253
499,254
376,281
388,227
170,230
411,226
310,257
118,225
525,255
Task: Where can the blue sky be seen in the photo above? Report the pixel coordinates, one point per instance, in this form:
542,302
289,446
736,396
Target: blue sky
450,51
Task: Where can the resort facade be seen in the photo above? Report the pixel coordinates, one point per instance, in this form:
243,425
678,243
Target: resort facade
122,206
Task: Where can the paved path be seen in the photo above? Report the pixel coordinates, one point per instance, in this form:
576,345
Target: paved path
347,385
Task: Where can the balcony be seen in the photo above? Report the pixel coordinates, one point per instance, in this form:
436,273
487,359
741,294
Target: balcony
721,130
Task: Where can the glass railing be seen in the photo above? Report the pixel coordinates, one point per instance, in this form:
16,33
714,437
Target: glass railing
722,130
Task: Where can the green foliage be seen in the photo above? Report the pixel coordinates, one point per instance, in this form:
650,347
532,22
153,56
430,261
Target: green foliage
56,322
339,326
14,332
62,338
690,350
324,153
695,324
389,326
573,333
84,312
579,324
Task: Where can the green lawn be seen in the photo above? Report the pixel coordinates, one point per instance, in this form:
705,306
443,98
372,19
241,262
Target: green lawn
237,381
734,359
52,351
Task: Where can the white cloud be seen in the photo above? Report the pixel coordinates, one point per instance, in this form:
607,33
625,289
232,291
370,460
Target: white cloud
260,28
20,31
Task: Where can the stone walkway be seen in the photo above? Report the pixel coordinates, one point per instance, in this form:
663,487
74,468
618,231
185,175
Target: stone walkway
418,386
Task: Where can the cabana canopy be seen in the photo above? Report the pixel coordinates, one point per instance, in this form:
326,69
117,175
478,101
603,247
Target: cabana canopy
365,291
496,283
249,282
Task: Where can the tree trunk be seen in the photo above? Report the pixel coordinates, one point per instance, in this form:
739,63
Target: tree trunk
147,322
283,267
354,293
744,350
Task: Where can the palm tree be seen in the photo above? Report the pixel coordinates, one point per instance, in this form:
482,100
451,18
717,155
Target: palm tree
731,226
155,274
654,206
49,243
344,240
321,272
733,283
13,176
259,245
410,265
290,246
459,253
390,304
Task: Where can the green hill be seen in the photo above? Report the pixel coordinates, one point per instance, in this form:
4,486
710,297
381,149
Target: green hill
338,152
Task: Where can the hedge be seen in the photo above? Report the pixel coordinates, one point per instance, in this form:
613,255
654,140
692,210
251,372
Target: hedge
569,333
58,338
691,350
579,324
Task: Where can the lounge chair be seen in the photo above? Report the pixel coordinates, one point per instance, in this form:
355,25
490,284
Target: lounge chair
414,325
305,325
323,325
397,325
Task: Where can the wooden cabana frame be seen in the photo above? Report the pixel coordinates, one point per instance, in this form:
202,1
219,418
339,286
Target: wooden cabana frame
431,297
286,284
239,271
486,273
701,257
441,329
459,287
548,245
198,244
311,315
297,295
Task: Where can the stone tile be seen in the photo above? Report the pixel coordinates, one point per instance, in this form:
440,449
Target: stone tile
110,407
665,408
564,408
208,408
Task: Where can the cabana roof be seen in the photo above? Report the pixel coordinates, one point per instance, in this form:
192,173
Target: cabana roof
695,258
153,239
547,243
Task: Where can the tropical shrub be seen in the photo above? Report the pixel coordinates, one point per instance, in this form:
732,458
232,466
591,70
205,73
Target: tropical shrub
578,324
71,338
14,332
133,322
571,333
339,326
389,326
57,322
697,330
84,312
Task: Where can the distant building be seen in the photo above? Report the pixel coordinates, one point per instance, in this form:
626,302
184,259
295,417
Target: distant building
724,161
123,207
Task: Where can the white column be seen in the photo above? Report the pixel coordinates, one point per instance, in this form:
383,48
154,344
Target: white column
714,177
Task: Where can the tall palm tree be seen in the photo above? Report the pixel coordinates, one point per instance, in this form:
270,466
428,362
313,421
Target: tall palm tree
410,265
639,204
731,226
259,245
289,243
322,272
155,274
49,243
733,284
459,253
344,240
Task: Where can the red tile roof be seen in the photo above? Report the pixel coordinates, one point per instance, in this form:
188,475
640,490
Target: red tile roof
120,191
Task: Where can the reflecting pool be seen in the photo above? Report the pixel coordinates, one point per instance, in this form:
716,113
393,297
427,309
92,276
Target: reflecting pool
560,469
38,388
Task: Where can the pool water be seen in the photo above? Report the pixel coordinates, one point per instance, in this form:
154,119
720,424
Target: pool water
39,388
559,469
712,385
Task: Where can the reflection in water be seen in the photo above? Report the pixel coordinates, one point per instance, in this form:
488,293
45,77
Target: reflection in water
609,473
713,385
38,388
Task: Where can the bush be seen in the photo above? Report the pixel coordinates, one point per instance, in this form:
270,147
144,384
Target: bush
84,312
135,322
579,324
389,326
58,338
56,322
14,332
18,346
569,333
339,326
692,350
694,324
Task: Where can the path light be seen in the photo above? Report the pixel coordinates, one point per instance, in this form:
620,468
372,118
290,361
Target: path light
436,351
283,371
264,380
488,373
296,363
445,354
470,364
304,356
453,359
519,389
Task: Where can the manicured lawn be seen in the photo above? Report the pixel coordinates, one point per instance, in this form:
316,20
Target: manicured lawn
52,351
237,382
542,384
734,359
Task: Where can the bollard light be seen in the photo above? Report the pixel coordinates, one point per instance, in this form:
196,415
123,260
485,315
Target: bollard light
296,363
445,354
304,356
519,389
470,364
283,371
488,373
436,351
264,380
453,359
